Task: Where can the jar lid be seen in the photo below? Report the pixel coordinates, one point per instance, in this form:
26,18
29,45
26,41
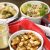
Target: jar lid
2,21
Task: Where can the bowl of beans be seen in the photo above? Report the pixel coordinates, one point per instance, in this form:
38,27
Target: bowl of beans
26,40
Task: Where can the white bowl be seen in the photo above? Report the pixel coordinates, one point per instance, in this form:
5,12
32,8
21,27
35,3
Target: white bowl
22,32
15,16
37,19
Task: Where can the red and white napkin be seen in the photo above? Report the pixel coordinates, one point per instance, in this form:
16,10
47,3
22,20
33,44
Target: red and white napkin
29,25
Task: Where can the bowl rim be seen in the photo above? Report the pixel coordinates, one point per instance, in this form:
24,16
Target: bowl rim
33,1
15,34
15,7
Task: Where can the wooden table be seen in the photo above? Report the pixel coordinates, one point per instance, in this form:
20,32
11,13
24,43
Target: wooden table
18,3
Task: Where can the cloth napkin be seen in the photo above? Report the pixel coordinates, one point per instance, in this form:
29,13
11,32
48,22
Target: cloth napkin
45,29
29,25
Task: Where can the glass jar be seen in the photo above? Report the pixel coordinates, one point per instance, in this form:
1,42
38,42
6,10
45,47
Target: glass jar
3,34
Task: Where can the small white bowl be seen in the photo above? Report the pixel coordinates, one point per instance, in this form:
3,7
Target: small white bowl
26,31
37,19
13,17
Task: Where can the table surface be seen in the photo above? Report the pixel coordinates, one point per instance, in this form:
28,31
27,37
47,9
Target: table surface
18,3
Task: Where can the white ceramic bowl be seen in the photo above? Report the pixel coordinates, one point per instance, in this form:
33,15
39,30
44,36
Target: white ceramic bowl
37,19
23,31
15,16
